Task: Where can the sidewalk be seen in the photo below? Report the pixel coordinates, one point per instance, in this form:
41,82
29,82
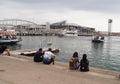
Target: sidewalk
22,70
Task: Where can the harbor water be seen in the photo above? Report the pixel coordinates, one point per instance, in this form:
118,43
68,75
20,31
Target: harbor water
101,55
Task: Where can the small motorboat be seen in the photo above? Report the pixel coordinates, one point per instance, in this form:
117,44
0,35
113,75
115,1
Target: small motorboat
98,39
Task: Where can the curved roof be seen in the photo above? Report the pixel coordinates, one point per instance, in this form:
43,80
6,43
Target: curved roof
65,23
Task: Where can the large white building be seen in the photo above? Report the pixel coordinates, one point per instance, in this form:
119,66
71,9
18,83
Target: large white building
82,30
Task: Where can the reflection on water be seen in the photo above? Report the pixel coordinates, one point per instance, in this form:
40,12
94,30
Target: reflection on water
102,55
106,55
15,47
96,54
97,46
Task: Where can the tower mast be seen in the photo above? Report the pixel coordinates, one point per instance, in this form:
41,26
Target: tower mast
109,26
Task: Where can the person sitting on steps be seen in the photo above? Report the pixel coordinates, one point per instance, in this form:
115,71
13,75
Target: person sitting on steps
74,61
48,57
38,56
84,63
3,49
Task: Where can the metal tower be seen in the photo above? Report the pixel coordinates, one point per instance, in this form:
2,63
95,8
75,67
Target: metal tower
109,26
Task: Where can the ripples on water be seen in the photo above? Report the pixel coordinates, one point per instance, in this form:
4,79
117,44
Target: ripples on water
101,55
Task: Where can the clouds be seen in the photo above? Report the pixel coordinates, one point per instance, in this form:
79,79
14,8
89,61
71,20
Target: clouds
91,5
107,6
93,13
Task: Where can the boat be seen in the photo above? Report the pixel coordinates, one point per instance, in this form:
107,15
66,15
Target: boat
98,39
70,33
9,37
49,43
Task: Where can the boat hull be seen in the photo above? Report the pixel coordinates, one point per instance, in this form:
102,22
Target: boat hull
98,41
70,35
9,41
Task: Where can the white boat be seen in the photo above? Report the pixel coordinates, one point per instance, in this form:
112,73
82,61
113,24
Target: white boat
70,33
9,37
49,42
98,39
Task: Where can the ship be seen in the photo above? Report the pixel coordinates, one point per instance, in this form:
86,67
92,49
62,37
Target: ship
9,37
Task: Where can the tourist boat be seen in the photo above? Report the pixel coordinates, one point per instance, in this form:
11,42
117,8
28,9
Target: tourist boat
9,37
70,33
98,39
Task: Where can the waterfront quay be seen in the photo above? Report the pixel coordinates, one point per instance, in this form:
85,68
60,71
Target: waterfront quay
18,69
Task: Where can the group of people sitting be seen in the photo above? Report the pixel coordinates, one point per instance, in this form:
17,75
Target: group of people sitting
47,57
75,63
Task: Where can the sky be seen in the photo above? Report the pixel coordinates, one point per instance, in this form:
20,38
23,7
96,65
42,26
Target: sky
90,13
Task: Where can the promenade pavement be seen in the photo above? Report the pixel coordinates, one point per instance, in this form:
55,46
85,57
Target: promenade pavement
22,70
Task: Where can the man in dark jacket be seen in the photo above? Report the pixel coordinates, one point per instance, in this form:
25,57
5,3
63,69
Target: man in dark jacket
38,57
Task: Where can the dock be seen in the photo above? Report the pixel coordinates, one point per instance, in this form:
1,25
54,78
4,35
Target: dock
18,69
31,52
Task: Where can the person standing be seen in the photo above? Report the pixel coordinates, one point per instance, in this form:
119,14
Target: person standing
38,56
3,49
84,63
49,57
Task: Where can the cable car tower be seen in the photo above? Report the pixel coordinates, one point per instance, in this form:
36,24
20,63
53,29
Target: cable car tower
109,26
